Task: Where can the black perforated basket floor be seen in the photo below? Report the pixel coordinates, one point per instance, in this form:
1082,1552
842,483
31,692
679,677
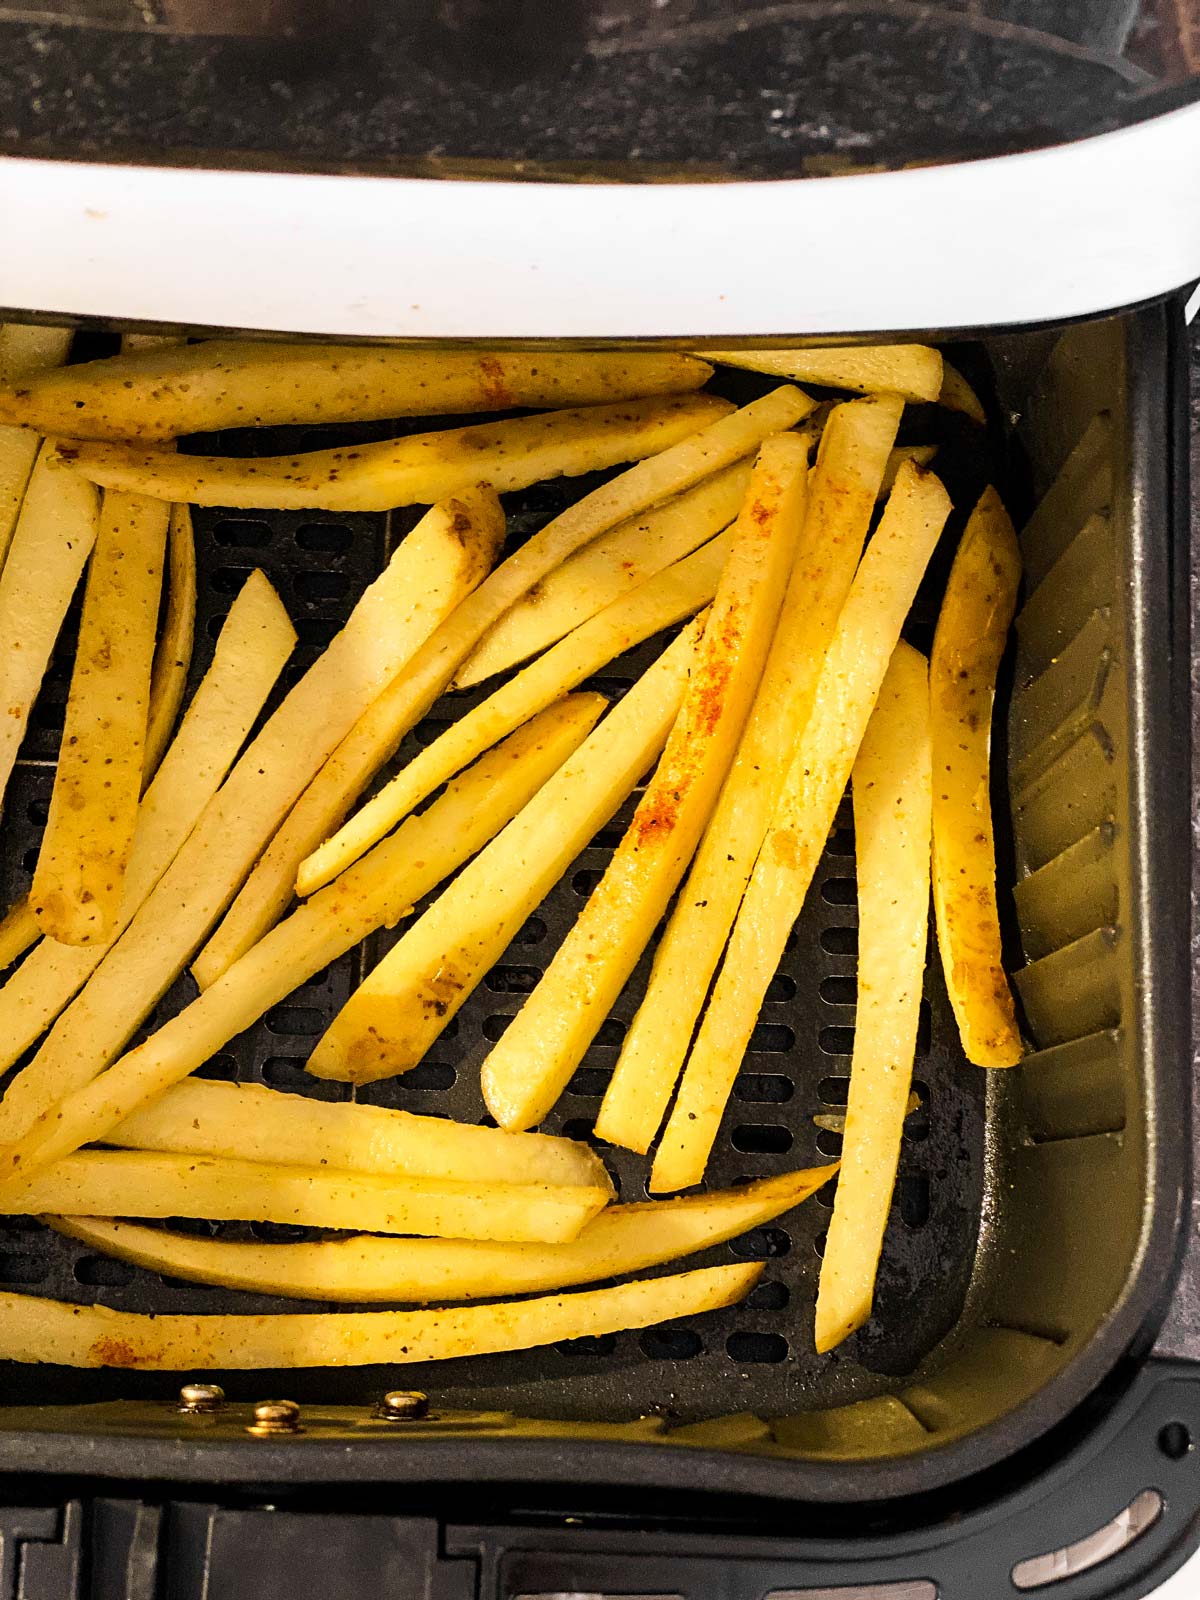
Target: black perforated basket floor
755,1357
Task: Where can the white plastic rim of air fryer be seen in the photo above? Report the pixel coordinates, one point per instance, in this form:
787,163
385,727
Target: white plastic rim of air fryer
1041,236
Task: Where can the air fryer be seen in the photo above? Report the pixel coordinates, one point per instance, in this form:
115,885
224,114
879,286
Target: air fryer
1022,1411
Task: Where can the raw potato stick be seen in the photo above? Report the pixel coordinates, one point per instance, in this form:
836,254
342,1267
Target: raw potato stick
417,470
605,570
18,931
152,1184
34,1329
79,878
841,499
23,351
847,689
173,656
914,371
364,1269
972,631
531,1065
667,598
247,1122
957,395
375,737
377,891
892,788
255,641
150,392
391,1020
53,538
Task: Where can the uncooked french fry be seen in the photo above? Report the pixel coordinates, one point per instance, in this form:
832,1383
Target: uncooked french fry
378,732
842,493
605,570
53,538
255,642
18,931
150,1183
530,1066
416,470
847,689
957,395
34,1329
376,892
155,393
391,1020
23,351
27,350
921,454
79,878
173,656
972,631
246,1122
911,370
667,598
892,801
363,1269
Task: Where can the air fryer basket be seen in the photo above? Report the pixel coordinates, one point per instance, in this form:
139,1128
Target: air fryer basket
1038,1212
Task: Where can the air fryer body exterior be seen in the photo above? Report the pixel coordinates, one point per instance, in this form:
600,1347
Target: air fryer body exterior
1066,1384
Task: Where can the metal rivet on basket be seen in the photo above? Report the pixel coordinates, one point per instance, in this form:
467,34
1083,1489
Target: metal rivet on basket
403,1405
273,1417
200,1397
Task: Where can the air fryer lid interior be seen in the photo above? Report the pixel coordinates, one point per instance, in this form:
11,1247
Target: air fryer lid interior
1032,1238
629,88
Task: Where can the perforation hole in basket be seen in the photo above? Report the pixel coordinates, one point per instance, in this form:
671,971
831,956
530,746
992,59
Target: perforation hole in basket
836,1041
230,580
755,1348
670,1344
324,538
305,1021
102,1272
513,980
839,941
840,990
21,1266
234,533
771,1039
589,1083
839,892
763,1088
762,1138
317,587
913,1189
761,1244
601,1344
829,1143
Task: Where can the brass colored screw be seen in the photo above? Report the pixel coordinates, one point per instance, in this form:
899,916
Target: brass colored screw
197,1398
403,1405
273,1418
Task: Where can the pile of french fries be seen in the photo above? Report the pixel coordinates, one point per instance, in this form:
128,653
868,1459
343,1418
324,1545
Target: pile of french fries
744,535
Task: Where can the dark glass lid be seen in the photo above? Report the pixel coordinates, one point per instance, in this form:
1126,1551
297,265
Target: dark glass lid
633,89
